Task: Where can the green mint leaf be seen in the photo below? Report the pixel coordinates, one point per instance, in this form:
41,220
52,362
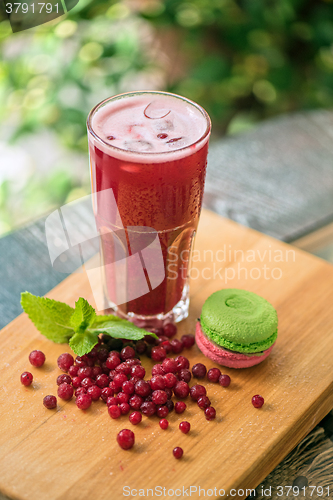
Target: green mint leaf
83,316
82,343
100,318
50,317
119,328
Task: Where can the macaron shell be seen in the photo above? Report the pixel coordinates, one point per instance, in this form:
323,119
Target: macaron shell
224,357
239,320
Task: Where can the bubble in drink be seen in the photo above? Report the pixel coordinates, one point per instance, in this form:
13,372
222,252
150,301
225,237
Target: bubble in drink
140,146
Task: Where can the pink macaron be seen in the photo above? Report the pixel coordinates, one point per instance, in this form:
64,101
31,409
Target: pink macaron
225,357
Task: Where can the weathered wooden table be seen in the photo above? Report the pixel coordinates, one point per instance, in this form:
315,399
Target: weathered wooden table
277,179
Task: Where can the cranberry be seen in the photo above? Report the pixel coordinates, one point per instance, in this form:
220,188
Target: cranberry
159,397
124,408
257,401
96,370
213,375
210,413
180,407
112,362
157,382
199,370
175,139
135,417
123,368
85,371
169,365
224,380
157,370
158,353
105,369
83,401
185,427
65,391
166,346
64,378
135,402
170,405
126,439
119,379
181,389
142,388
177,452
164,424
138,371
169,330
128,387
103,354
114,411
150,339
94,392
76,382
141,347
188,340
89,361
114,387
94,352
80,361
148,408
50,402
87,382
162,136
122,397
111,137
185,375
197,391
182,363
127,353
203,402
80,390
37,358
176,346
107,392
170,380
162,411
26,378
72,371
112,400
65,361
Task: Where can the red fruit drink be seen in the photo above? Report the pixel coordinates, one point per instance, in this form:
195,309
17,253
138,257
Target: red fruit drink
148,154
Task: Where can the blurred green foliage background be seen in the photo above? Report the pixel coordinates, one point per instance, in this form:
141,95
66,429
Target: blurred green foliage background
243,60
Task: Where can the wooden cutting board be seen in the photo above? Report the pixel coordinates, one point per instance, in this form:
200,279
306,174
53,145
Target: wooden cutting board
68,454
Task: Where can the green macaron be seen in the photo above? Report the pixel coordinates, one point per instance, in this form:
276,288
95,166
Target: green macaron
239,320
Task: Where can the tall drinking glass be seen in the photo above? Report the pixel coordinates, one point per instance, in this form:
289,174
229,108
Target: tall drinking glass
148,156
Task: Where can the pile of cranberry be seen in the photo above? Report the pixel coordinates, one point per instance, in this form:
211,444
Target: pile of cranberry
112,372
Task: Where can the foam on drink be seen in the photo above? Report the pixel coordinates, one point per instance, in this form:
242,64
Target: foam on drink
140,126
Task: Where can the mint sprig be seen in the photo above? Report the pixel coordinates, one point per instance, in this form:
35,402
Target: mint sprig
80,327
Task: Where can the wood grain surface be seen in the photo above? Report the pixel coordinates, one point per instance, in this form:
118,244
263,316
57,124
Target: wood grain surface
68,454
